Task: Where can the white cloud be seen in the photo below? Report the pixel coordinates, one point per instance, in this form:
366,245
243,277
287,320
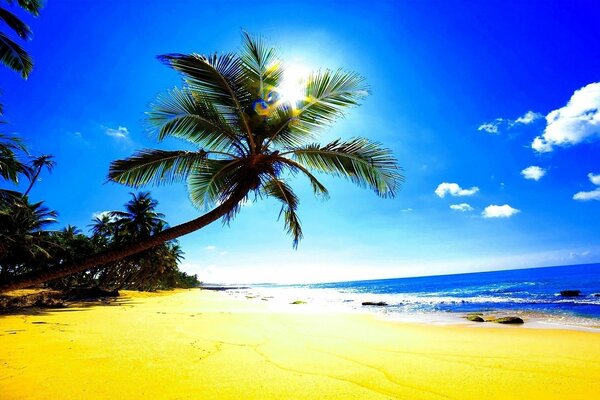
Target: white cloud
585,196
527,118
574,123
534,172
407,210
120,133
454,190
461,207
593,194
491,127
210,248
223,253
504,211
594,178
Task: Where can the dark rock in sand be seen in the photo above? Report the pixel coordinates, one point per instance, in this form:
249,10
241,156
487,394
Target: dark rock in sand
570,293
298,302
475,318
372,303
509,320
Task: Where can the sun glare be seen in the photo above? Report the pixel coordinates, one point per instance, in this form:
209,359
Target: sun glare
292,86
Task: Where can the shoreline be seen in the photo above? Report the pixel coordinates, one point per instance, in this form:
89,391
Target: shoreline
533,319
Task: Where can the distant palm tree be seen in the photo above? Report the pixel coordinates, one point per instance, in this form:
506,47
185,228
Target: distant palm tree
249,142
37,164
140,220
23,235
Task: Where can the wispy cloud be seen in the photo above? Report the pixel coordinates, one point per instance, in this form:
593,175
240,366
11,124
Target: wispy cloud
210,248
533,172
593,194
491,127
574,123
527,118
504,211
119,133
454,189
496,125
461,207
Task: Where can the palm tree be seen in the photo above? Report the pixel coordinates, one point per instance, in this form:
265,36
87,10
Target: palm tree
249,141
139,220
24,239
37,164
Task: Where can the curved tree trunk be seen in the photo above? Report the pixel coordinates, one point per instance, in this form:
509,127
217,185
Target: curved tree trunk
37,277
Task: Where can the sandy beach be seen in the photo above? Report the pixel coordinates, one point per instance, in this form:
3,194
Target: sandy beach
192,344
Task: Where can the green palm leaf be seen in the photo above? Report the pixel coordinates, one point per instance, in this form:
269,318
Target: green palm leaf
13,56
284,193
181,113
361,161
262,65
318,188
32,6
214,182
327,95
220,80
156,167
14,23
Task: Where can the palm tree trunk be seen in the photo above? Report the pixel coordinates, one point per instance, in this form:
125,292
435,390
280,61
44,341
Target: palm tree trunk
32,182
38,277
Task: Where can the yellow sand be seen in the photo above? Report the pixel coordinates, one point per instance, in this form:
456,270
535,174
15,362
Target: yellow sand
206,345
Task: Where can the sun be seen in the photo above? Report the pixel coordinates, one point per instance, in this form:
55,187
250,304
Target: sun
292,88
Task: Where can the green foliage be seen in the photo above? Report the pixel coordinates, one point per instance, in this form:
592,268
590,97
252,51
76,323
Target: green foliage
26,245
251,141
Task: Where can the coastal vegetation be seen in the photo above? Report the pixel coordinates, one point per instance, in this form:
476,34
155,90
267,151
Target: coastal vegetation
250,140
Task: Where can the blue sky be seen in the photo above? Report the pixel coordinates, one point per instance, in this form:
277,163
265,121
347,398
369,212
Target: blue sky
460,92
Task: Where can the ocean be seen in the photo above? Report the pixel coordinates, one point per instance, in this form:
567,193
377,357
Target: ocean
533,292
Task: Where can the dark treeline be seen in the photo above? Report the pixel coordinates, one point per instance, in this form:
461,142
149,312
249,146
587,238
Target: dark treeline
27,242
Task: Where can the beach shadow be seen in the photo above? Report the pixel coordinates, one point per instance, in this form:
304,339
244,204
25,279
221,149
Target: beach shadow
66,307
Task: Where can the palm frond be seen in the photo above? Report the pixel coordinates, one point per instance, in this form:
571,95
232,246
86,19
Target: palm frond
156,167
32,6
214,182
179,113
282,130
14,56
284,193
14,23
220,80
327,95
363,162
318,188
262,65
